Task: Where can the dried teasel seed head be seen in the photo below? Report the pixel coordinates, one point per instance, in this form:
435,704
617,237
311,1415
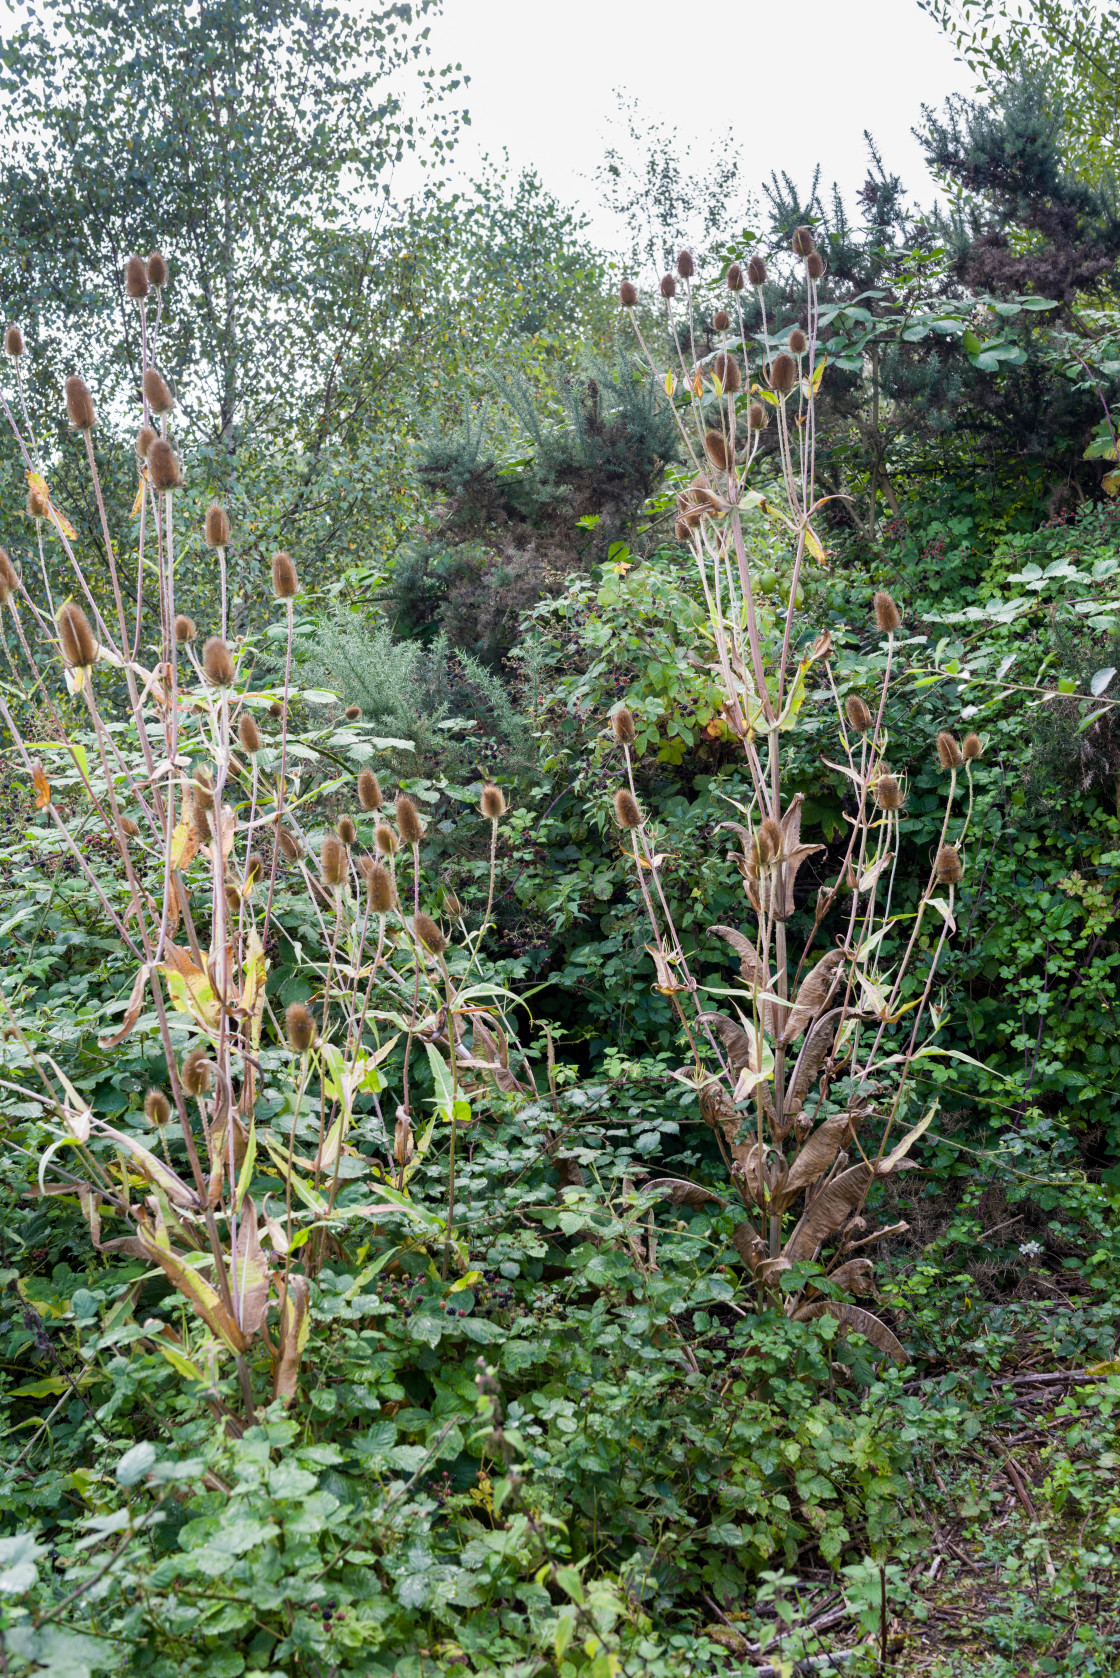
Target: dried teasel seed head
289,845
734,277
763,849
185,629
716,449
129,828
971,748
680,530
622,726
949,754
452,905
163,465
285,582
37,505
352,713
409,825
857,712
145,437
948,866
347,832
249,734
379,888
802,241
233,902
254,867
385,839
626,810
157,1108
669,285
79,404
798,342
217,663
887,615
429,934
772,833
628,294
196,1073
721,320
276,710
815,265
299,1027
135,278
157,270
157,393
369,791
202,789
685,265
79,648
727,371
403,1145
9,582
783,373
756,271
888,793
492,802
217,526
332,861
13,342
758,416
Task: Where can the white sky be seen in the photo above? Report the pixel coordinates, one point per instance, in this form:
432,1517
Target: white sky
788,94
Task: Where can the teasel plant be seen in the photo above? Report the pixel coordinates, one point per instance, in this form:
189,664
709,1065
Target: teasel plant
184,763
819,1046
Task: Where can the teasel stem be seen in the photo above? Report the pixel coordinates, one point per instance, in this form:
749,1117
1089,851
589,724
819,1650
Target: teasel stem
453,1058
419,962
281,790
475,950
369,986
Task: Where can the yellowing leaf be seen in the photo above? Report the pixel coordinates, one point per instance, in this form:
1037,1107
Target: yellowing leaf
670,384
42,787
139,502
38,483
812,542
184,845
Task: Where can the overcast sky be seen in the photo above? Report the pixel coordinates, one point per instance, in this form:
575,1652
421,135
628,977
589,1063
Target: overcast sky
788,87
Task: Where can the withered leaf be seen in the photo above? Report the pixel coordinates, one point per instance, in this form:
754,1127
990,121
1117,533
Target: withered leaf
860,1321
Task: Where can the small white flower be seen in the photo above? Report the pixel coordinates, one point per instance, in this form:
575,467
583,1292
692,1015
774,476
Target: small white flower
1031,1249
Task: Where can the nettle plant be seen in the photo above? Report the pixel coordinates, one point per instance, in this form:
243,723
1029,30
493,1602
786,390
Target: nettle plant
191,770
823,1039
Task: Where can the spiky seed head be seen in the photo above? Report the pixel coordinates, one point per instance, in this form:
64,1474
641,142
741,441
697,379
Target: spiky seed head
129,828
299,1027
254,867
285,582
452,905
492,802
163,465
185,628
783,373
79,648
217,662
763,849
9,582
971,748
157,392
716,449
888,793
949,754
332,861
276,710
157,270
379,888
196,1073
202,789
217,526
135,278
734,277
79,404
403,1145
685,265
352,713
858,714
13,342
948,865
772,833
628,294
369,791
803,244
622,726
429,934
145,437
157,1108
385,839
347,832
37,507
815,265
669,285
721,320
888,618
798,342
680,530
409,825
626,809
758,416
289,845
248,733
756,271
233,902
727,371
